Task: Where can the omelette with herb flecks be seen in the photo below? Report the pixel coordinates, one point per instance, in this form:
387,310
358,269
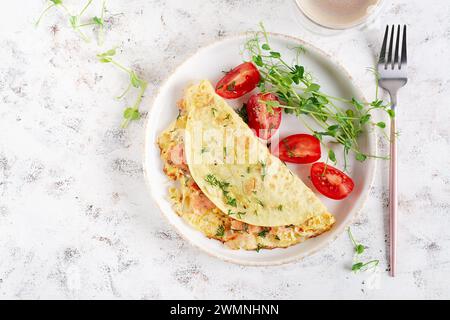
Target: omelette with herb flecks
246,204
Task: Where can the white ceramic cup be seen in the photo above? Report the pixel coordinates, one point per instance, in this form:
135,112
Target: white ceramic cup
328,17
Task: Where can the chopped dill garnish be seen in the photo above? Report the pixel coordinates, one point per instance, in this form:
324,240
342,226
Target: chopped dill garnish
260,203
231,86
240,214
263,169
259,247
232,202
263,233
220,231
212,180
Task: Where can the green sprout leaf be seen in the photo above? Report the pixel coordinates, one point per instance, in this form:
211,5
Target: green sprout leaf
360,249
135,81
360,266
55,3
258,61
105,59
97,21
73,21
313,87
298,74
357,266
275,55
381,125
332,156
109,53
358,105
361,157
364,119
131,114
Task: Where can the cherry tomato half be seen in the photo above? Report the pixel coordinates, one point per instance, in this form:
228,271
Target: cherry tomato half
239,81
299,148
261,118
331,182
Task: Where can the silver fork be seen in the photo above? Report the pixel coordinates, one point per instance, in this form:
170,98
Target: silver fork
392,71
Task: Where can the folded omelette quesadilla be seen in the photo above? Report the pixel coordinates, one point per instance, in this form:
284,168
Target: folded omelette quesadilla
231,187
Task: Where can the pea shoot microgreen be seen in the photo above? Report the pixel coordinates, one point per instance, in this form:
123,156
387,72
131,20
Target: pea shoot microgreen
359,249
100,22
332,156
54,4
300,95
131,113
360,266
75,20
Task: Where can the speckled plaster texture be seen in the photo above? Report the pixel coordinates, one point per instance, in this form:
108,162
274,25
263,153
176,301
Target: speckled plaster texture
76,218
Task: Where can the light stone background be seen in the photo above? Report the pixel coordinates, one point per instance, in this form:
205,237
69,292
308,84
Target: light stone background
76,219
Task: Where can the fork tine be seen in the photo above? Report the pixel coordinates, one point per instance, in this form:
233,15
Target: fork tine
403,58
397,47
383,47
390,48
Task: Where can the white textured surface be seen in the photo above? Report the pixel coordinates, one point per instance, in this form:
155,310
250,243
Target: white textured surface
76,220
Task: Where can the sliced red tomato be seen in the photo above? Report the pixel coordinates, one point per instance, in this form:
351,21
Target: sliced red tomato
299,148
264,119
331,182
239,81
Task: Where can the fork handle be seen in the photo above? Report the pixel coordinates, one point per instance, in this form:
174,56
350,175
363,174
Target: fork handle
393,200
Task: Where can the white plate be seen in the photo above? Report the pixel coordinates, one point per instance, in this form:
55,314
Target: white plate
208,63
